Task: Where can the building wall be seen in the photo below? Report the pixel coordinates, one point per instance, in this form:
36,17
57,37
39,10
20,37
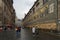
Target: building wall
7,12
0,3
1,15
44,15
58,21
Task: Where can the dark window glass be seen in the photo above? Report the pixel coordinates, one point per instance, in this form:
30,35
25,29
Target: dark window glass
37,4
33,10
34,17
41,15
44,1
30,11
58,2
46,11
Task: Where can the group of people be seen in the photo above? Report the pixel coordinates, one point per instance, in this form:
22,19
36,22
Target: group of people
35,31
18,30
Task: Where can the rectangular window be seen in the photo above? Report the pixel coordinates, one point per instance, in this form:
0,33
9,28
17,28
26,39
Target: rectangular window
30,11
44,15
41,15
51,8
37,4
33,10
58,2
44,1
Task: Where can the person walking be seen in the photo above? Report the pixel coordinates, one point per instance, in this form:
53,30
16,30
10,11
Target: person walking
18,29
33,30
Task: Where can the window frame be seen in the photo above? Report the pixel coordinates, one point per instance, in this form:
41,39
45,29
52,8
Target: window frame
51,8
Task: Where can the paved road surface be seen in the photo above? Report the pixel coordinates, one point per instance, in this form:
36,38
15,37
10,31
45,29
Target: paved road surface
26,34
7,35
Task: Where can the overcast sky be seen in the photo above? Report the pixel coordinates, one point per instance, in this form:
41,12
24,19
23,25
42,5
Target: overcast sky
22,7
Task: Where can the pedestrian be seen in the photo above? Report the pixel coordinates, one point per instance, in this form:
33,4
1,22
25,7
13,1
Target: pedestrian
16,32
5,28
33,30
18,29
37,31
37,34
0,29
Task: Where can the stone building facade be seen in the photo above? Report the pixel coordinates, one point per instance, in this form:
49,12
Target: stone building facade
7,13
44,14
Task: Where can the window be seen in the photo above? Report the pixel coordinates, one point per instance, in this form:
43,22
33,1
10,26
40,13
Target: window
40,3
30,11
4,8
35,17
46,11
41,15
58,2
37,4
51,8
44,15
44,1
33,10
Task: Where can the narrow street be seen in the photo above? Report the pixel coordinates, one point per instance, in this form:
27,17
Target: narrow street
19,18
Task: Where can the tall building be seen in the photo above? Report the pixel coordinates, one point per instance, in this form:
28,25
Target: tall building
7,13
7,20
45,15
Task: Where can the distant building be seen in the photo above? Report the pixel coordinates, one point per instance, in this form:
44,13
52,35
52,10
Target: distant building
45,15
7,13
18,22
